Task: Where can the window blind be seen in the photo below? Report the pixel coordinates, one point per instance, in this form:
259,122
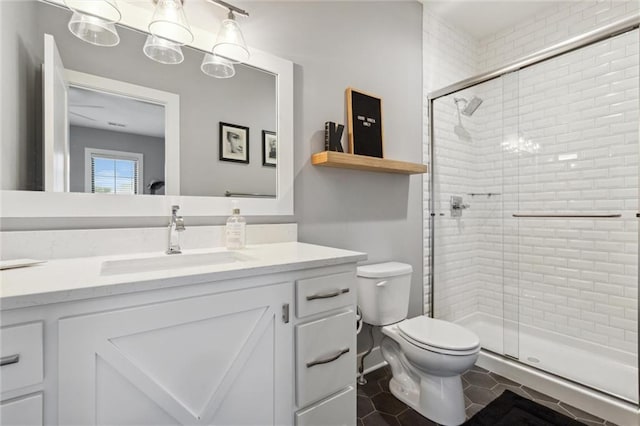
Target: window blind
114,175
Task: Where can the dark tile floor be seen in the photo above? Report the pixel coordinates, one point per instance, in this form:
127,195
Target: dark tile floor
377,407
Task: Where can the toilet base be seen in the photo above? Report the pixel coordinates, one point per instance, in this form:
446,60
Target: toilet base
427,381
439,399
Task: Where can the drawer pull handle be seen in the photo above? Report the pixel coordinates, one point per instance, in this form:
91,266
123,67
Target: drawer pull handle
328,360
9,359
328,295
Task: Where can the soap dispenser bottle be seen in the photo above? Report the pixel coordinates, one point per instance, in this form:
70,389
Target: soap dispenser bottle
235,230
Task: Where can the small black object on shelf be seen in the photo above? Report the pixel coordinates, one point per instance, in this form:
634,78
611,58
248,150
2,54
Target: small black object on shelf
333,136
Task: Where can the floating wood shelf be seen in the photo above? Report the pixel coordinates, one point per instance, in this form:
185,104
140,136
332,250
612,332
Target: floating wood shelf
362,162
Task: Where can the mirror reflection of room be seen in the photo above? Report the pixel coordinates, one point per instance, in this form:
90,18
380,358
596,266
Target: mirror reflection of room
116,144
247,99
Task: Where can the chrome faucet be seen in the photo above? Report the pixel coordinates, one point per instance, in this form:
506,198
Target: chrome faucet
176,225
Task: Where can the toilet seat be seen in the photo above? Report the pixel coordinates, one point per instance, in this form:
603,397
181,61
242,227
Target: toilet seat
439,336
438,350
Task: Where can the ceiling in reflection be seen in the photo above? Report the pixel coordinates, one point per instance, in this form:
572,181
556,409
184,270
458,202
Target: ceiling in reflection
97,110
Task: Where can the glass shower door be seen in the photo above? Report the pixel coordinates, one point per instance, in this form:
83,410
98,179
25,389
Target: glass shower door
511,147
577,236
540,256
471,285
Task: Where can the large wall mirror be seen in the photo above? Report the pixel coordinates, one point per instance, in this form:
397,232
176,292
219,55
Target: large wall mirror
105,131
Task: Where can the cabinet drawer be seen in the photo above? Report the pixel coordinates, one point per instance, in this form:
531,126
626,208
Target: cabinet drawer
21,355
324,293
26,411
337,410
325,357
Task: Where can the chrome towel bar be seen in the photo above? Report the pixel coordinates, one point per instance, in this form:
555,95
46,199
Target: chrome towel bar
241,194
568,215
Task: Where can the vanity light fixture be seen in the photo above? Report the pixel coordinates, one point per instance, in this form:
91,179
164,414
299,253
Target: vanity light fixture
93,21
216,66
163,51
170,23
106,10
230,41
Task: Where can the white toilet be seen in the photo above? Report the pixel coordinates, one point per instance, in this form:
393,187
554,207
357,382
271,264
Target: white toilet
426,355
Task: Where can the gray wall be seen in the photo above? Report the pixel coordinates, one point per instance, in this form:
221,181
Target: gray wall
20,111
247,99
150,147
375,47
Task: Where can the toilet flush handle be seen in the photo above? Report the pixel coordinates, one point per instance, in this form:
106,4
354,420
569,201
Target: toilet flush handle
381,284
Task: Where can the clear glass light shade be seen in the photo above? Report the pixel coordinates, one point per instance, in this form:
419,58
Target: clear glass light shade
107,10
94,30
230,42
163,51
216,66
170,23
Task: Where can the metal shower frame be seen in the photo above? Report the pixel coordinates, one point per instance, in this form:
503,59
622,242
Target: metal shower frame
607,31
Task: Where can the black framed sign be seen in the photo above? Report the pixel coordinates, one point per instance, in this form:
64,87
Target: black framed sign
269,148
234,143
364,120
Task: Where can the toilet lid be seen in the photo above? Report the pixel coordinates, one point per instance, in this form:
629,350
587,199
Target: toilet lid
439,334
384,270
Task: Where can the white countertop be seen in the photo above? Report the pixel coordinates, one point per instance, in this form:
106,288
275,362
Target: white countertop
81,278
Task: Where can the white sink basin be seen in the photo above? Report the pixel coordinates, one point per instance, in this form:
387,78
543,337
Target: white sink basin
168,262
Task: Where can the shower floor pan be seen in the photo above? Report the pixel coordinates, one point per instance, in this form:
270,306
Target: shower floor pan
608,370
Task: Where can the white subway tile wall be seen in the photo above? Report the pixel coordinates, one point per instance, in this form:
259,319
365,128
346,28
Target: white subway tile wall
456,240
558,136
559,22
449,55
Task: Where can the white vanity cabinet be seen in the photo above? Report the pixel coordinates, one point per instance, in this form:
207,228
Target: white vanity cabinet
214,359
326,350
21,372
21,355
22,411
252,347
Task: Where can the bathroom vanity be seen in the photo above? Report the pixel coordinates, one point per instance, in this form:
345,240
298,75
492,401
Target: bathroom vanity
265,335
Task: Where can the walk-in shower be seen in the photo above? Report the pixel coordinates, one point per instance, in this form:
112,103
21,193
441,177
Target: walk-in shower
543,265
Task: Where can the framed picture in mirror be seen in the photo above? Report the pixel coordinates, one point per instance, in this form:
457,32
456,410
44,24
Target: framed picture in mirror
269,148
234,143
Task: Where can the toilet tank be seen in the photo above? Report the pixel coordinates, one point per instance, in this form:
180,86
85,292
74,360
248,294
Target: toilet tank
383,292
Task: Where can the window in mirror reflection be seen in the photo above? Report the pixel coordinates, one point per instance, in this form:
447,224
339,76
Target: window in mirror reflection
113,172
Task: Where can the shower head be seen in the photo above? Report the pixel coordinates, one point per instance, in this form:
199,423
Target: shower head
470,106
459,130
